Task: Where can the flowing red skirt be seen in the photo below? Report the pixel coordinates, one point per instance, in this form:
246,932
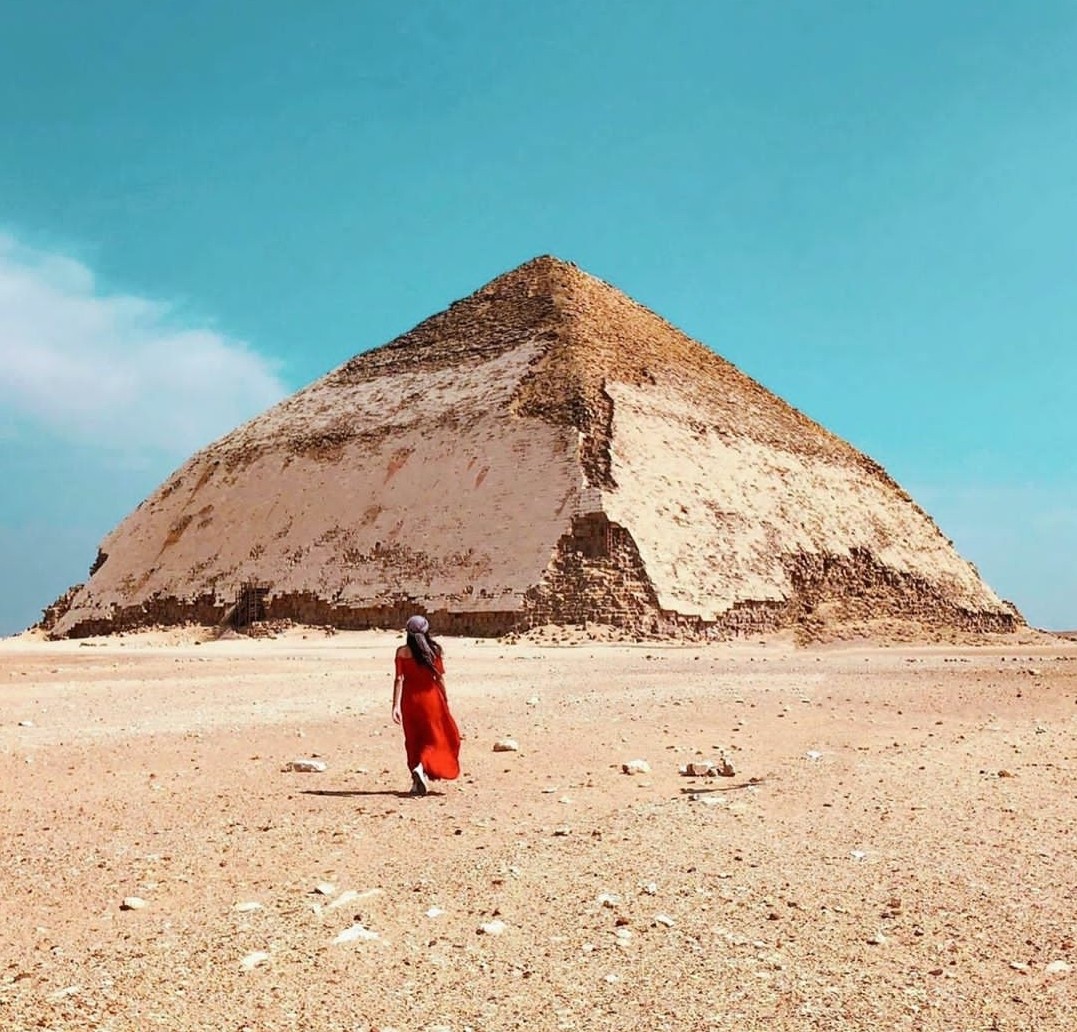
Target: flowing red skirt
430,733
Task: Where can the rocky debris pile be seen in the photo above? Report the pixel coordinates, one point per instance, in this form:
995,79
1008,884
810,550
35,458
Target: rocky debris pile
720,768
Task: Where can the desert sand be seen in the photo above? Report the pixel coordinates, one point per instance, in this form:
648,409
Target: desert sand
896,849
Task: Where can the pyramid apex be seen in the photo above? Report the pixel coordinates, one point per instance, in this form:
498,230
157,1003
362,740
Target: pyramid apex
545,269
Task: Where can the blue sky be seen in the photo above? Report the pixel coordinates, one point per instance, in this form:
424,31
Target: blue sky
869,207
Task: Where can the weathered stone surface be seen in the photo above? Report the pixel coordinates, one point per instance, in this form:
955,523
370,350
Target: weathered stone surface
506,745
545,451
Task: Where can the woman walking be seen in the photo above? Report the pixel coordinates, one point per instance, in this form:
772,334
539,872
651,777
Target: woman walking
420,704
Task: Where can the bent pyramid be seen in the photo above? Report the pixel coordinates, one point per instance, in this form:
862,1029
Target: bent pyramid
543,451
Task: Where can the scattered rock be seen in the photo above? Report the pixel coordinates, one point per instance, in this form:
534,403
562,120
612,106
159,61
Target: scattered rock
356,933
609,900
26,723
253,960
495,927
506,745
1058,967
133,903
63,994
324,888
878,939
435,912
708,768
247,908
306,766
350,896
636,767
1018,965
533,701
663,919
1005,773
698,769
649,888
561,832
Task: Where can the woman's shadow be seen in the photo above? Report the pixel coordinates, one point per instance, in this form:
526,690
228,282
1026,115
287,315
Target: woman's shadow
355,792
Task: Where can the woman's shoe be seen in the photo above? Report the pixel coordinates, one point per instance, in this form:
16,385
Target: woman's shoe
419,784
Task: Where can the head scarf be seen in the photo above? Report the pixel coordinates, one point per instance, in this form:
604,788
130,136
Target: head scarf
424,649
417,625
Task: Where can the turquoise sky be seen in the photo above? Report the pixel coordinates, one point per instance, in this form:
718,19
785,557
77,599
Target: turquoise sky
870,207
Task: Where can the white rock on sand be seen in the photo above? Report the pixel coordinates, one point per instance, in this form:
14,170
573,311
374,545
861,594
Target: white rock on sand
356,933
306,766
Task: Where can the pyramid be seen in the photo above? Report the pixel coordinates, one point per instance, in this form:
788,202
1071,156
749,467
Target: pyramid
544,451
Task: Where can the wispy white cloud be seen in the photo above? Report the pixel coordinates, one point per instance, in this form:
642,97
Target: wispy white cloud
115,370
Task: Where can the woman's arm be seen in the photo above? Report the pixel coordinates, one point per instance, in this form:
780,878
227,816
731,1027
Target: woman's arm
398,688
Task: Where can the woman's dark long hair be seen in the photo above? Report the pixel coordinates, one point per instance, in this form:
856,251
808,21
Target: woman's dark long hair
424,650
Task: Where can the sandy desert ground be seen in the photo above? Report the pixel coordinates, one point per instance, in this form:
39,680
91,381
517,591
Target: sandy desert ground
897,849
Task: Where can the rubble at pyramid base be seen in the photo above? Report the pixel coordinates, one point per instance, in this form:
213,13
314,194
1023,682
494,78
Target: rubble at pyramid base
837,596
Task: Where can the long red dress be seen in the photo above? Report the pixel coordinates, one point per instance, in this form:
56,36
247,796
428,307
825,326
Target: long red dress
430,733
